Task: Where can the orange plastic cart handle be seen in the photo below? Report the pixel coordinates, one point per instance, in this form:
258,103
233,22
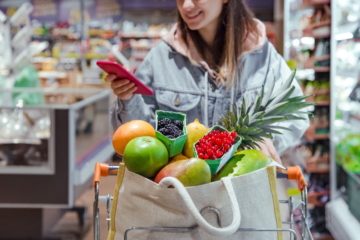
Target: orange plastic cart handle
101,170
294,173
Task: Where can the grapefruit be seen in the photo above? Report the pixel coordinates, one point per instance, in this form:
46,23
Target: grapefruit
128,131
244,162
145,156
195,131
191,172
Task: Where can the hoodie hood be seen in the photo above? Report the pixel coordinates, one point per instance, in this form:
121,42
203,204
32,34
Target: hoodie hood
174,39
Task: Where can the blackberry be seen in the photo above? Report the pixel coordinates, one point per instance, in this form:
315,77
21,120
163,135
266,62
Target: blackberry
163,123
164,131
178,133
170,137
179,124
173,126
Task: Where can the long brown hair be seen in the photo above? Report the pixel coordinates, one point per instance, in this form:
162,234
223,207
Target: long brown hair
235,24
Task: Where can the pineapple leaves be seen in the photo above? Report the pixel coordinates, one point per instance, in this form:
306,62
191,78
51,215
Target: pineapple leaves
267,94
293,107
267,121
254,122
282,96
293,117
271,131
258,100
275,109
258,115
298,99
286,84
243,107
246,120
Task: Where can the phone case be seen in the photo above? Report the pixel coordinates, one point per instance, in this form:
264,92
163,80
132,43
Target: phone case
122,73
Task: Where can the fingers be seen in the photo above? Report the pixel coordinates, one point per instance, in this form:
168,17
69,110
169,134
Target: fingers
263,148
123,88
110,78
119,83
127,94
273,152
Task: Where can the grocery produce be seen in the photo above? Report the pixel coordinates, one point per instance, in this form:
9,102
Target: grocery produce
195,131
145,156
215,144
191,172
348,153
170,128
244,162
255,121
128,131
178,157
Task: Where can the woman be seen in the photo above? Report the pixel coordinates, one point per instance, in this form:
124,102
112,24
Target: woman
214,56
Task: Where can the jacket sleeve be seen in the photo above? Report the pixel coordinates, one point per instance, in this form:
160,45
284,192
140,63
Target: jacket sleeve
139,107
298,127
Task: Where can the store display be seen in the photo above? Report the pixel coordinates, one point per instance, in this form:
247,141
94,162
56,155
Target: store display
310,50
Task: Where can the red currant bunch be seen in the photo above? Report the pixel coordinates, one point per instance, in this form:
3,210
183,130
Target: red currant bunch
215,144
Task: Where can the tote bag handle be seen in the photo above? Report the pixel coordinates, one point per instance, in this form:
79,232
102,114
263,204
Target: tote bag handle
215,231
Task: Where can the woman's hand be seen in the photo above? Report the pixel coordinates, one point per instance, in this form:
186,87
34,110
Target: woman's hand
123,89
269,149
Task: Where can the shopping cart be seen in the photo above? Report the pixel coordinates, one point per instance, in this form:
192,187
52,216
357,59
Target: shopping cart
290,173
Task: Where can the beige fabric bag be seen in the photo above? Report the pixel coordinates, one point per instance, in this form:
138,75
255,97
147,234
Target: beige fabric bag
248,201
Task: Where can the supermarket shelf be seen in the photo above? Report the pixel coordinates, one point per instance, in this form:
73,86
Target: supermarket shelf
348,73
310,5
321,92
325,237
326,125
322,103
317,170
319,24
340,222
317,36
321,136
320,69
318,165
140,35
312,198
322,58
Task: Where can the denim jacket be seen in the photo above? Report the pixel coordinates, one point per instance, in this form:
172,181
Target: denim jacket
180,86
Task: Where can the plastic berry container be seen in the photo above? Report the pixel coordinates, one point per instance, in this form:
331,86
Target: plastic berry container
216,164
174,146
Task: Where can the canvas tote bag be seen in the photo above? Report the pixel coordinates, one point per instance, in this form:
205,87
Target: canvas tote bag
248,201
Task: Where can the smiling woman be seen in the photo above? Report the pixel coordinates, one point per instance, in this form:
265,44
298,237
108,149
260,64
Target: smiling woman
213,58
218,32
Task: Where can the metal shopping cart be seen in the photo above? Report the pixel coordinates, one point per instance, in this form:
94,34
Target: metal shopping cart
294,204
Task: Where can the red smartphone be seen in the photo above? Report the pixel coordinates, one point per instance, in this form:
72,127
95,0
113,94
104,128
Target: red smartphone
122,73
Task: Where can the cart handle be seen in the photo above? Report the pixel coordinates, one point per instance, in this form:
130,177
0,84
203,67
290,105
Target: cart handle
295,173
103,170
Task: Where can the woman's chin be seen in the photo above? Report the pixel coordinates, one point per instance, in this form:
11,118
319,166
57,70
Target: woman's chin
194,27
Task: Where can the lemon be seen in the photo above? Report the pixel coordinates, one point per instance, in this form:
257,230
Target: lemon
195,131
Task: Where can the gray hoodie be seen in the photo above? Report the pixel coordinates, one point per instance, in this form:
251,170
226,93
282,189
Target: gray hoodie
181,86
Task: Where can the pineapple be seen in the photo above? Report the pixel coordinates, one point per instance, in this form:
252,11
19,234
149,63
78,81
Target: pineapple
254,122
